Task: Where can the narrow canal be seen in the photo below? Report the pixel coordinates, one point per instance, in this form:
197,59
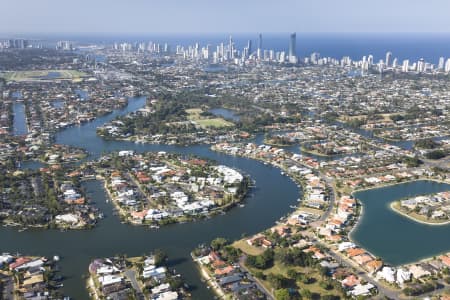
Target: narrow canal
20,120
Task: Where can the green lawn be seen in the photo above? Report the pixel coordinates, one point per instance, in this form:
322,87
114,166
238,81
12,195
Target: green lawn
205,122
215,122
246,248
310,272
36,75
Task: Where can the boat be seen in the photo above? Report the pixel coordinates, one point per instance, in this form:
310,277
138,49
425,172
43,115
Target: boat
241,205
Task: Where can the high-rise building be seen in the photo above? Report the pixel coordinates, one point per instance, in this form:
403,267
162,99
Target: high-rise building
282,57
260,45
441,63
315,58
405,66
18,43
231,47
388,59
370,59
381,66
365,66
447,66
64,45
249,47
395,63
292,51
421,65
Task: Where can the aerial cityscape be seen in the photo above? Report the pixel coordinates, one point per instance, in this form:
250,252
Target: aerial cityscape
197,150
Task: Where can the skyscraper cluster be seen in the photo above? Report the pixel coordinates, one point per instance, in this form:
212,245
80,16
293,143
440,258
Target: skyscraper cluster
390,63
142,47
16,44
64,45
224,52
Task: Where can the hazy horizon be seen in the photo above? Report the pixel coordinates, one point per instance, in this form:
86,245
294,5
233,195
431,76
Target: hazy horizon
202,17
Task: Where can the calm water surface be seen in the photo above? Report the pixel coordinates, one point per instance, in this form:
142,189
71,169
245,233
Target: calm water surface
269,201
19,122
394,238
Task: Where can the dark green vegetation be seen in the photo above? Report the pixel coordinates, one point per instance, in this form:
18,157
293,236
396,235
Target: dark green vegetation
34,198
426,144
436,154
168,115
420,289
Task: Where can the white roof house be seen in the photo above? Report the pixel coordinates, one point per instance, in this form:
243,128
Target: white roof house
152,271
110,279
167,296
362,290
403,276
387,273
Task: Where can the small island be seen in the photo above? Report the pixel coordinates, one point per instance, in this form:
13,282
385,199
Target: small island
431,209
158,188
175,122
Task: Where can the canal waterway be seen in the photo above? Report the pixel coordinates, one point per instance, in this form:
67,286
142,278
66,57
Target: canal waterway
225,113
19,121
385,233
267,202
393,237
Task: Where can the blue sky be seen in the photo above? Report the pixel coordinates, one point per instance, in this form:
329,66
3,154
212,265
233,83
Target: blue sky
209,16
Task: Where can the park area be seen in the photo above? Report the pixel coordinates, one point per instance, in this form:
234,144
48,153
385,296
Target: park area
42,75
195,115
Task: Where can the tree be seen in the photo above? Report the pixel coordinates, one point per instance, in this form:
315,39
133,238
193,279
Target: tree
278,281
160,257
324,271
282,294
436,154
263,261
218,243
306,294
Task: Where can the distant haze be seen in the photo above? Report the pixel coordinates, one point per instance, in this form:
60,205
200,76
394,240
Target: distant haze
208,16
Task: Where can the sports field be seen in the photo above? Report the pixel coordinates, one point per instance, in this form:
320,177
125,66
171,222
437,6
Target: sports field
194,114
39,75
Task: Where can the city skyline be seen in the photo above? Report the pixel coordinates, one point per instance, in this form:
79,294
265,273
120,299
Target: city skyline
199,16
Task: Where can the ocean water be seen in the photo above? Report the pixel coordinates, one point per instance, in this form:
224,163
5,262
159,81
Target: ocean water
412,46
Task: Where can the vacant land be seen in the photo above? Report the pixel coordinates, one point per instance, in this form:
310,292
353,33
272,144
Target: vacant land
194,114
39,75
248,249
312,280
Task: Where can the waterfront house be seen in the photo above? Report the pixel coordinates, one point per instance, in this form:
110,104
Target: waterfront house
374,266
387,273
157,273
417,271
